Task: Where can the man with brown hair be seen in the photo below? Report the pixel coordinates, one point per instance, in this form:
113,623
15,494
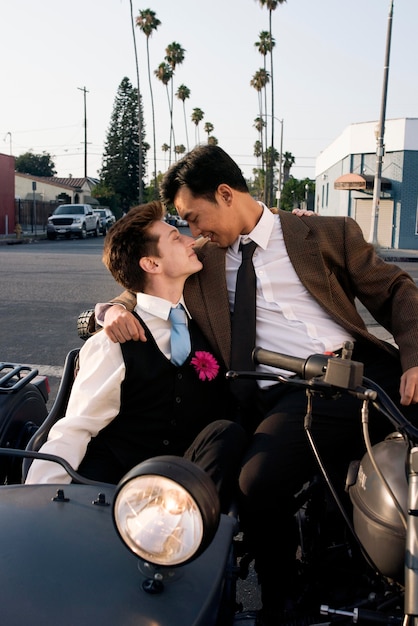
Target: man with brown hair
137,400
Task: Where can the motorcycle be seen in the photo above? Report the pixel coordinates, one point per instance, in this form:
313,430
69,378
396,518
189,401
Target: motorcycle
154,549
355,564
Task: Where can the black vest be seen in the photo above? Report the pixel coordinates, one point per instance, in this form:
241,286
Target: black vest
163,408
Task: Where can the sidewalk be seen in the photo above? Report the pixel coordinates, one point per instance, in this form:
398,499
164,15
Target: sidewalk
393,255
25,237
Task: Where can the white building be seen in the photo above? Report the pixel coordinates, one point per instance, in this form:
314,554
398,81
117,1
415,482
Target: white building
345,173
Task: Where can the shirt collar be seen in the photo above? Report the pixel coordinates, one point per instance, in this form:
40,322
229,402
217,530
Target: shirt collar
261,233
153,305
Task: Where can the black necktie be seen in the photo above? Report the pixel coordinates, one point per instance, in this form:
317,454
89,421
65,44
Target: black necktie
243,320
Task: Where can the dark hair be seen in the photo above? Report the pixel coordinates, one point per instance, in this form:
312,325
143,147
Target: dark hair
202,170
128,240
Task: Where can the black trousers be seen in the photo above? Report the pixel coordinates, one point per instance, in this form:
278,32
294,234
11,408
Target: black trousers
279,461
218,449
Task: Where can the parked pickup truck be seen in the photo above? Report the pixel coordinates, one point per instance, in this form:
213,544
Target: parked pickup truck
73,219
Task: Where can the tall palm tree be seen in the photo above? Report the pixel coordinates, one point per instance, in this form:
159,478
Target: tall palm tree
179,149
183,93
259,81
208,128
259,125
174,56
197,116
258,149
164,73
148,22
140,120
264,45
271,6
288,161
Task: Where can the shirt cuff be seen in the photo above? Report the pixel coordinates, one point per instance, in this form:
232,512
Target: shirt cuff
101,308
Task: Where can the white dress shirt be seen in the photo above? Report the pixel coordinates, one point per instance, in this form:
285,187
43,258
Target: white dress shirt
289,320
95,397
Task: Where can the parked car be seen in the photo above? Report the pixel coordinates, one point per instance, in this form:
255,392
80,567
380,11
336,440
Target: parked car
106,219
73,219
175,220
180,222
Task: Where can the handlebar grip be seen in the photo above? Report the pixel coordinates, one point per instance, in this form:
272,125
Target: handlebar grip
281,361
314,365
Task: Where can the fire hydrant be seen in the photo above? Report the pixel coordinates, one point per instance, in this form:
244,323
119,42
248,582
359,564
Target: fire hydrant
18,231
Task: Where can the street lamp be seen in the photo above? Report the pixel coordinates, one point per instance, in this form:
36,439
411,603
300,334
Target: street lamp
84,90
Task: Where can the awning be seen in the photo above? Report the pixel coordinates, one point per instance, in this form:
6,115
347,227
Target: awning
360,182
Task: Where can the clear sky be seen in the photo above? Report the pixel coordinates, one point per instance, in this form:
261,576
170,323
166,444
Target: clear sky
328,73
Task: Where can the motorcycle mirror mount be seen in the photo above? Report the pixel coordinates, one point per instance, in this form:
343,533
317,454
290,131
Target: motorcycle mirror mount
166,511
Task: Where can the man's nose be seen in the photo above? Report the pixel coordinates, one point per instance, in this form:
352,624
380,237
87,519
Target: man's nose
195,231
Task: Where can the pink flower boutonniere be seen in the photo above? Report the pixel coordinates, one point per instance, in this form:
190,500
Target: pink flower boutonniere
205,365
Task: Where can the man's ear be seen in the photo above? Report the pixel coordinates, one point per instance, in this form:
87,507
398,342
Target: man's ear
225,192
149,264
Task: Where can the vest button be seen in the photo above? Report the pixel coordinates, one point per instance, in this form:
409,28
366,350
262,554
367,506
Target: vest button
178,400
179,375
166,442
173,422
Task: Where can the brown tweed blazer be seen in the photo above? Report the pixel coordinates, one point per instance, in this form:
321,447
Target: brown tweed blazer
336,265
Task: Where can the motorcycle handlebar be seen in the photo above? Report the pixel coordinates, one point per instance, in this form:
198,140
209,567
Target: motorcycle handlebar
314,365
335,373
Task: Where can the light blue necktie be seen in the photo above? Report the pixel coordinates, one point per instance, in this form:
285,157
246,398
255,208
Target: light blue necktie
180,338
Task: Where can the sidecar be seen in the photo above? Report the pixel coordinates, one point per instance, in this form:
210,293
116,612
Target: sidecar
23,398
151,551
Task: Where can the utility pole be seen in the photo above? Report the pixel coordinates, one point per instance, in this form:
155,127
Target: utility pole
380,136
279,191
84,90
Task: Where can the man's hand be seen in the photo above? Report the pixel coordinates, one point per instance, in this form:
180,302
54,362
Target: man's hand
409,387
302,212
120,325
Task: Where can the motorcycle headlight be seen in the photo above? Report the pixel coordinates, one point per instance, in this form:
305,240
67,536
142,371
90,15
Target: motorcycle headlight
166,510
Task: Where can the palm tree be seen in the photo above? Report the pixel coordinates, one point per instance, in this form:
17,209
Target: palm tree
208,128
212,141
271,6
265,45
258,149
288,161
148,22
164,73
180,149
174,56
165,148
259,124
182,94
140,121
197,116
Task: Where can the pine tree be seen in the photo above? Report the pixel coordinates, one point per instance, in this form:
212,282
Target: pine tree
120,166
